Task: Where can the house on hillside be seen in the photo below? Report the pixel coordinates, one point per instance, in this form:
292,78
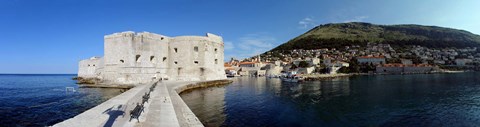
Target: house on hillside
371,60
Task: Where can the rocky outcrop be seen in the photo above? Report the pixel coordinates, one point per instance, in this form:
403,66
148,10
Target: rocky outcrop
81,80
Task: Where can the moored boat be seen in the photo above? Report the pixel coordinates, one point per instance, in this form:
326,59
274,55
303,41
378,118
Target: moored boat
292,79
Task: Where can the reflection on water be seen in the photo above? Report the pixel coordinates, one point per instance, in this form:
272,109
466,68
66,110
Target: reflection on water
209,104
383,100
42,100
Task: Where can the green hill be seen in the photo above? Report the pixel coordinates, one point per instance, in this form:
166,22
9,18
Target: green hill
356,33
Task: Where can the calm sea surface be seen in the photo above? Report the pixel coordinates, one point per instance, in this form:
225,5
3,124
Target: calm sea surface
383,100
41,100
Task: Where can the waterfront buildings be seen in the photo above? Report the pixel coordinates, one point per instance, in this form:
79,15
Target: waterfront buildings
404,69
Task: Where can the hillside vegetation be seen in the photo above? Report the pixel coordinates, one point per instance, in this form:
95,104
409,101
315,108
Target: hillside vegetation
356,33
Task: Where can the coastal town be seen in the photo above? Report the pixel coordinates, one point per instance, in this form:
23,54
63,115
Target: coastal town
374,58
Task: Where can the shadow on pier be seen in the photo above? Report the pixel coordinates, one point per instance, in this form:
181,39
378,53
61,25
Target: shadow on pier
114,112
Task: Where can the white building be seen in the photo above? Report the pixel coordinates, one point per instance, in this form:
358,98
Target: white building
406,61
462,62
371,59
133,58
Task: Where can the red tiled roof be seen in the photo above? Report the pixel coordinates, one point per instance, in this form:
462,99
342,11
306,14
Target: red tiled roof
229,68
243,63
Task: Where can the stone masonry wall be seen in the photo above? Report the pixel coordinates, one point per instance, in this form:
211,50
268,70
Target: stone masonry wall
133,58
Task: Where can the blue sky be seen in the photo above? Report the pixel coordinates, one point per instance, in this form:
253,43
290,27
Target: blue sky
51,36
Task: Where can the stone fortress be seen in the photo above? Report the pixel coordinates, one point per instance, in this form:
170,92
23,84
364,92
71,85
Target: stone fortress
133,58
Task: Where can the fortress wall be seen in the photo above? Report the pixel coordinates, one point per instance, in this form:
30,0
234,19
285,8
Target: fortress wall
118,54
87,68
181,58
220,68
162,59
211,60
143,57
209,55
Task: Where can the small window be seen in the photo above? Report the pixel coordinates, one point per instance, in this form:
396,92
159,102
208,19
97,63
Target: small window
122,61
164,58
89,65
215,50
137,57
94,65
151,58
195,48
161,38
179,70
175,62
176,50
202,71
216,61
196,62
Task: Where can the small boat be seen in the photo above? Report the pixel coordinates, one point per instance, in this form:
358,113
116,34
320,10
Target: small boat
292,79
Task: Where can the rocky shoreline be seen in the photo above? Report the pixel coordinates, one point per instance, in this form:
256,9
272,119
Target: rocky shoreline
81,80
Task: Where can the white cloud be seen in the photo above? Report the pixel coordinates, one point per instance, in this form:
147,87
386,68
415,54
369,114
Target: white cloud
306,23
249,45
255,41
357,19
228,45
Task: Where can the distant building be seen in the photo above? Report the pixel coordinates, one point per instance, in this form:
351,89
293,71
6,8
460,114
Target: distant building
250,64
402,68
406,61
462,62
313,61
440,62
307,70
297,61
371,59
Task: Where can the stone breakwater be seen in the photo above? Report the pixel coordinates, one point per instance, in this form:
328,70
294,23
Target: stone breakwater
194,86
313,77
165,108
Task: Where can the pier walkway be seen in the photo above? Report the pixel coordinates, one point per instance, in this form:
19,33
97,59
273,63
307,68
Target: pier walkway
165,108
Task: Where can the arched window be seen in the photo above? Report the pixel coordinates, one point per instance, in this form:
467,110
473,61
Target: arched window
164,58
175,62
137,57
215,50
176,50
152,58
122,61
216,61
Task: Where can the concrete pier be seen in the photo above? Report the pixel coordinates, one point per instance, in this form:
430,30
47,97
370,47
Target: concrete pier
165,108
